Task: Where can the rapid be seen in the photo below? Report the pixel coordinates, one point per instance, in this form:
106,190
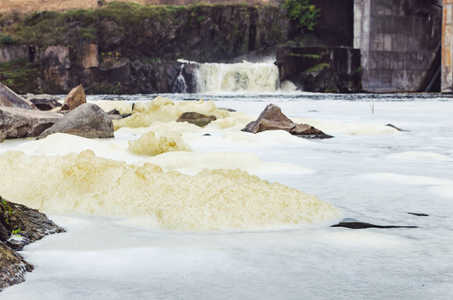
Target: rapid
238,215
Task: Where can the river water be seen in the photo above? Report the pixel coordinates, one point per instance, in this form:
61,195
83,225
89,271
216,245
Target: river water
369,171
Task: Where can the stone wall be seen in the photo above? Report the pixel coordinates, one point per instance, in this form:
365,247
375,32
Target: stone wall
321,69
398,40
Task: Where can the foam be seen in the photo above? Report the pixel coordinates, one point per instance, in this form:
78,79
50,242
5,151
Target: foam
191,163
150,144
124,107
163,109
406,179
419,155
212,200
333,128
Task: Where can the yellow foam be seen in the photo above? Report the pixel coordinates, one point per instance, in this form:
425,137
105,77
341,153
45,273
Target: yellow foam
212,200
162,109
149,144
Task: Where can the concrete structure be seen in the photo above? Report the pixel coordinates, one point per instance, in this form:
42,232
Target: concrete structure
447,46
399,40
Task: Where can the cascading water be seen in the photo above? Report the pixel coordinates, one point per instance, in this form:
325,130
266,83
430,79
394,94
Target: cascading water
240,77
180,85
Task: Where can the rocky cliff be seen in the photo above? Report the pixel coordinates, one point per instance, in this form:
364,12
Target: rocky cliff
126,47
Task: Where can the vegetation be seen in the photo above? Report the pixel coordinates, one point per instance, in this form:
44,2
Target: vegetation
302,13
18,74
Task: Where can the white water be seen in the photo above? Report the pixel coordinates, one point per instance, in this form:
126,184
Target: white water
242,77
371,173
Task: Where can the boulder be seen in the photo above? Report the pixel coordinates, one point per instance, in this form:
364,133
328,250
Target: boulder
29,225
87,120
308,131
44,102
75,98
21,123
272,118
196,119
10,99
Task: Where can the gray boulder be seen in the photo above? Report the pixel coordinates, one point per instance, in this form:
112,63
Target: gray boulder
10,99
44,102
196,118
21,123
88,120
272,118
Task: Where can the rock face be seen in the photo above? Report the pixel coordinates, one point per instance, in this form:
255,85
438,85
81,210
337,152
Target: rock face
10,99
196,118
125,48
22,123
272,118
87,120
29,226
75,98
44,102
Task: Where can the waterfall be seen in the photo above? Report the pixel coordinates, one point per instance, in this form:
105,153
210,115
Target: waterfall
239,77
180,85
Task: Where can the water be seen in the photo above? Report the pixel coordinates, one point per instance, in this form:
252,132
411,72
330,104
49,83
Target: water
240,77
369,171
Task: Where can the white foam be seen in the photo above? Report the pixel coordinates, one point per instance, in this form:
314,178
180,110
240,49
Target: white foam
419,155
332,127
406,179
193,163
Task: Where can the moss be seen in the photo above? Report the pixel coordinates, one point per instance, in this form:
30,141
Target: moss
317,68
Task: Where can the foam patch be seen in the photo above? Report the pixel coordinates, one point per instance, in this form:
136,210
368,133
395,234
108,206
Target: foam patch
150,144
212,200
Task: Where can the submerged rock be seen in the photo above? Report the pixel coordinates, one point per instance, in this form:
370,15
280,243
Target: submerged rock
21,123
354,224
75,98
87,120
272,118
10,99
19,226
196,118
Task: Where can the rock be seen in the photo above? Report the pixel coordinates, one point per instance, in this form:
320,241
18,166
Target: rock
272,118
12,267
22,123
30,226
308,131
114,114
44,102
29,223
397,128
418,214
75,98
87,120
354,224
196,119
10,99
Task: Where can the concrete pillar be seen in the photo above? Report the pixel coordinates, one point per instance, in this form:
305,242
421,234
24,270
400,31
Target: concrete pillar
447,46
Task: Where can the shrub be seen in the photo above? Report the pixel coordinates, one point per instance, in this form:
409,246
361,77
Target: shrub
303,13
